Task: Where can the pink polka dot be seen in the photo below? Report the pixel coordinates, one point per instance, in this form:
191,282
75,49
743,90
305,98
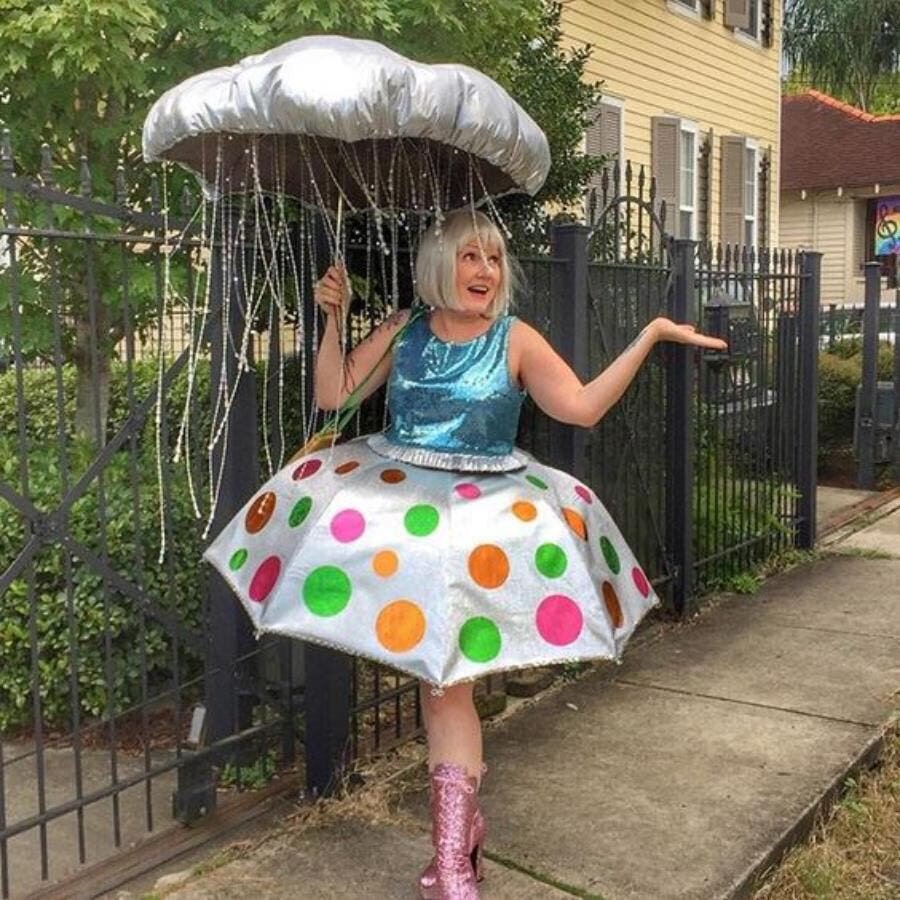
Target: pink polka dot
264,578
559,620
640,581
348,525
468,491
306,468
584,493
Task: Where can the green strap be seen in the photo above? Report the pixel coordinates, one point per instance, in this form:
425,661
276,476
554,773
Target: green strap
347,410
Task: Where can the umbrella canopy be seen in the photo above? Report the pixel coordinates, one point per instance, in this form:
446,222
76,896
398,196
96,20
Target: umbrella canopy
326,117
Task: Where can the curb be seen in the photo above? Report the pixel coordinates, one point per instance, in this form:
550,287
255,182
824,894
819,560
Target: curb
746,884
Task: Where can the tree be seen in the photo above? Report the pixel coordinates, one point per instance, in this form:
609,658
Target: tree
80,75
848,48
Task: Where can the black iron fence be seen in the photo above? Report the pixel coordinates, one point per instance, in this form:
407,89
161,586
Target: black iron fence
129,675
877,414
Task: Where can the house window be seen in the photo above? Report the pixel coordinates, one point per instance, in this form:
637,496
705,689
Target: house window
674,154
687,188
753,27
740,191
690,4
750,195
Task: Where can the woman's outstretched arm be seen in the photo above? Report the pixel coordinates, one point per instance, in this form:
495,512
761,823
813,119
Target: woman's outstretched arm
559,392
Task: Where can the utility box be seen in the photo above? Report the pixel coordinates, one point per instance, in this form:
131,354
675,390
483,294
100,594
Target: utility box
883,423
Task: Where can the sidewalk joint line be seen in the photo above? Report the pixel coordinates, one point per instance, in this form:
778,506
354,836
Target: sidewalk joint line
549,880
787,709
786,624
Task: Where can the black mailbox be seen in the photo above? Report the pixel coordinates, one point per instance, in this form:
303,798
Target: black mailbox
882,424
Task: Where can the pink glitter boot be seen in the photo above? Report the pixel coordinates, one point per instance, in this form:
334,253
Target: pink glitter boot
453,806
428,878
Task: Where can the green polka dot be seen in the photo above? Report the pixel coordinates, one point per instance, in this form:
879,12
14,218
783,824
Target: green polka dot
479,639
238,558
326,590
536,482
550,560
300,511
610,555
421,520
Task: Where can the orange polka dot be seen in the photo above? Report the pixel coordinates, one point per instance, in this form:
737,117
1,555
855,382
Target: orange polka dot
260,512
400,626
385,563
613,606
524,510
346,467
488,566
393,476
576,522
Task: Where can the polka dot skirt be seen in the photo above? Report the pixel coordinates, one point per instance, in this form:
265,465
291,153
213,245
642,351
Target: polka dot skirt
445,575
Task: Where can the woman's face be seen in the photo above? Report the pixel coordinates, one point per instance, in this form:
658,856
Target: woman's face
478,275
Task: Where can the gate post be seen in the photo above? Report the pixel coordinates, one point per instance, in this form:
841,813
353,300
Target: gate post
807,419
569,331
228,709
682,307
865,473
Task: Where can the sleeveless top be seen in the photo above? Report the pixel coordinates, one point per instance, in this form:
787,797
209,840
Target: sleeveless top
453,405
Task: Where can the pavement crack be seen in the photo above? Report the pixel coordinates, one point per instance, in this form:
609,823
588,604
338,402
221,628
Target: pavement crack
848,631
542,877
754,703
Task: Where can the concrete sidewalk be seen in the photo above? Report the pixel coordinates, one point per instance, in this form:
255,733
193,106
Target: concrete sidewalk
682,774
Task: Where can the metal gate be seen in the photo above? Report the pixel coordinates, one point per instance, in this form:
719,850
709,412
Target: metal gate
131,689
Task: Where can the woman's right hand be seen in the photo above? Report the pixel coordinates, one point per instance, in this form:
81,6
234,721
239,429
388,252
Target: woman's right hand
332,291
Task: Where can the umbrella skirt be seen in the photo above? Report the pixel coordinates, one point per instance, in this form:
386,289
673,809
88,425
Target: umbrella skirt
445,575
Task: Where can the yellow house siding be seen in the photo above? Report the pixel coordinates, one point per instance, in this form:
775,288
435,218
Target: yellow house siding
796,224
660,62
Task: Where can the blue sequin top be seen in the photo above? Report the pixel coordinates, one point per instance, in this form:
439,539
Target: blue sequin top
454,397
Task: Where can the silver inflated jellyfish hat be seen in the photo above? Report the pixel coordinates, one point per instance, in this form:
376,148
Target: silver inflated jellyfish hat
351,118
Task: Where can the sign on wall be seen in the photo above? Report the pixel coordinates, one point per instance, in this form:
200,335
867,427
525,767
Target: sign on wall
887,226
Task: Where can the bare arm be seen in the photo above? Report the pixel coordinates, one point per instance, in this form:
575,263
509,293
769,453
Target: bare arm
558,391
337,376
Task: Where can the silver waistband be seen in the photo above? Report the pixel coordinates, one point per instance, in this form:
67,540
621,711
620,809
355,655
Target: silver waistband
438,459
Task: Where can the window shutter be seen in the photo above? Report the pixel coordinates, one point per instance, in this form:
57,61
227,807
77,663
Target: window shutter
666,166
604,138
762,198
737,13
768,23
709,8
860,235
704,189
731,226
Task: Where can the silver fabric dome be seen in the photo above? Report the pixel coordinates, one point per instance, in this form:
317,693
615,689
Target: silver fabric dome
322,116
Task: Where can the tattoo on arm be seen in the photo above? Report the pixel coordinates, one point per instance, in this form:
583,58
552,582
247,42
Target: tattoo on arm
635,341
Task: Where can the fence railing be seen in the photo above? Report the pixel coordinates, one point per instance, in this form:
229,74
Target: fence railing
143,672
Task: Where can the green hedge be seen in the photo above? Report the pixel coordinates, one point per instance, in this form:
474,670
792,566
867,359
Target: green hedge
840,373
74,610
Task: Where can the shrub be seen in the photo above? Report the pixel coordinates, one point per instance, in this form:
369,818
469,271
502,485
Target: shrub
74,618
82,627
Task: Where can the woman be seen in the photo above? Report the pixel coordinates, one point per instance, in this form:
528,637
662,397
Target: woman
437,547
456,377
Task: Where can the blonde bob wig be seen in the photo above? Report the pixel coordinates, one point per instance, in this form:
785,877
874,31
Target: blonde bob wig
438,253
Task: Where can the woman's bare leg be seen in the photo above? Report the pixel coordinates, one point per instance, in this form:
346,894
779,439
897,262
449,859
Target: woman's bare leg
453,727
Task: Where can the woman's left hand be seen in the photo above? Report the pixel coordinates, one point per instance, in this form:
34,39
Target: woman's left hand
666,330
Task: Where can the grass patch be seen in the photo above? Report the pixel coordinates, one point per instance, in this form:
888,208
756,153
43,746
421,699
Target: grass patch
854,853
